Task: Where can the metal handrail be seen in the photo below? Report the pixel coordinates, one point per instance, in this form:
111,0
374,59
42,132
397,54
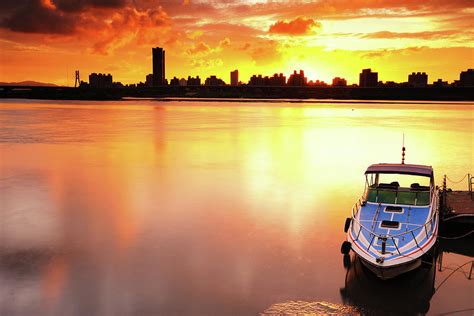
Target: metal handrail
358,204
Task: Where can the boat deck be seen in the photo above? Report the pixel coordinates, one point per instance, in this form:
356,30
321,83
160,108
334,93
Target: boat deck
373,216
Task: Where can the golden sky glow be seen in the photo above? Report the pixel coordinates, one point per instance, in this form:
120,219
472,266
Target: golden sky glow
46,40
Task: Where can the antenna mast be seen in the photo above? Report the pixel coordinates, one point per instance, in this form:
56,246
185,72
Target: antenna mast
403,150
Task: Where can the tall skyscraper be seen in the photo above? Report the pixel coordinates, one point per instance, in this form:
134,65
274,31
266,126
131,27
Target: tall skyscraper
234,78
158,66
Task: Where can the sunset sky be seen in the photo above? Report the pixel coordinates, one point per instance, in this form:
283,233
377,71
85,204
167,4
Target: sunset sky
46,40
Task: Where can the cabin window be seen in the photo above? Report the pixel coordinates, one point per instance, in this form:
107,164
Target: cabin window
393,193
423,198
386,196
394,209
372,195
406,197
390,224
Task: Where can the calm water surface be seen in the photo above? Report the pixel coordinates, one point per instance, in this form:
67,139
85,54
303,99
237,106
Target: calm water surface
195,208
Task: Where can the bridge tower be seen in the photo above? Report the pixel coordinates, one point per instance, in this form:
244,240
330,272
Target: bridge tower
77,81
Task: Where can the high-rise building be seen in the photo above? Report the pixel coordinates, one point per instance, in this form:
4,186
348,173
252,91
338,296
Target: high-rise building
466,78
149,80
418,79
234,78
158,66
367,78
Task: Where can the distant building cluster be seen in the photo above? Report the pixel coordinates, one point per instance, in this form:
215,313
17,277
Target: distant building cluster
100,80
367,79
276,80
214,81
419,79
297,79
339,82
194,81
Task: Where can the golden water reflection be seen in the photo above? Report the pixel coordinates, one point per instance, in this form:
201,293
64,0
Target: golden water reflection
195,208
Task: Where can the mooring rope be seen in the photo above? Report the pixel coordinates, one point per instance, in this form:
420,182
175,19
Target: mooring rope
454,271
459,180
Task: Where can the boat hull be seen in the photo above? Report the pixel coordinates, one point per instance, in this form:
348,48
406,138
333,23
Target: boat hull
391,272
393,227
405,257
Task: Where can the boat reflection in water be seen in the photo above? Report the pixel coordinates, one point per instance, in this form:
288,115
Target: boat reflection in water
409,293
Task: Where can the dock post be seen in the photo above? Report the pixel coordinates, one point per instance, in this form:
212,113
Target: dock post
443,198
472,268
440,261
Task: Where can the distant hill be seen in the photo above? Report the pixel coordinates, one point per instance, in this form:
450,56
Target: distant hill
28,83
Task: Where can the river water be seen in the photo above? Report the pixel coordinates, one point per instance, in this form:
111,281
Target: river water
212,208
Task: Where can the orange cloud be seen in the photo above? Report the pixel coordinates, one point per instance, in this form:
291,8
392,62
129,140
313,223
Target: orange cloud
298,26
225,42
44,39
126,26
199,48
417,35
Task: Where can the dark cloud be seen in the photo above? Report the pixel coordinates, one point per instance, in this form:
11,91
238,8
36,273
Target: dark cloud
8,6
102,20
34,17
81,5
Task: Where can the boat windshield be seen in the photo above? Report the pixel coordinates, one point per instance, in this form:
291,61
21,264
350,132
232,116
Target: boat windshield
399,189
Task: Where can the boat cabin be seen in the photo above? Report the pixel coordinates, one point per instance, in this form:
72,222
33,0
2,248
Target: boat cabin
403,184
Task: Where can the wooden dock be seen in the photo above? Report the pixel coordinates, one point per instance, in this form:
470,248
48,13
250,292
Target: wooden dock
457,207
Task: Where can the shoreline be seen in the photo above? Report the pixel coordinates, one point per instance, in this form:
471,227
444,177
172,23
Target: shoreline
308,94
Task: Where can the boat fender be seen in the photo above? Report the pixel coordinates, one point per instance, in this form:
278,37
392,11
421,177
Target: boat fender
346,247
380,260
347,224
346,261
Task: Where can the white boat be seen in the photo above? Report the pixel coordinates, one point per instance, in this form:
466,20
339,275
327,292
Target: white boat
393,225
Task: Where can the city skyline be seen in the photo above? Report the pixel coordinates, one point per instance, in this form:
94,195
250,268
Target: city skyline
367,78
46,40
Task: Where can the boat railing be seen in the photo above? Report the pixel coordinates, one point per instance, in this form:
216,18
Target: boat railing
427,227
